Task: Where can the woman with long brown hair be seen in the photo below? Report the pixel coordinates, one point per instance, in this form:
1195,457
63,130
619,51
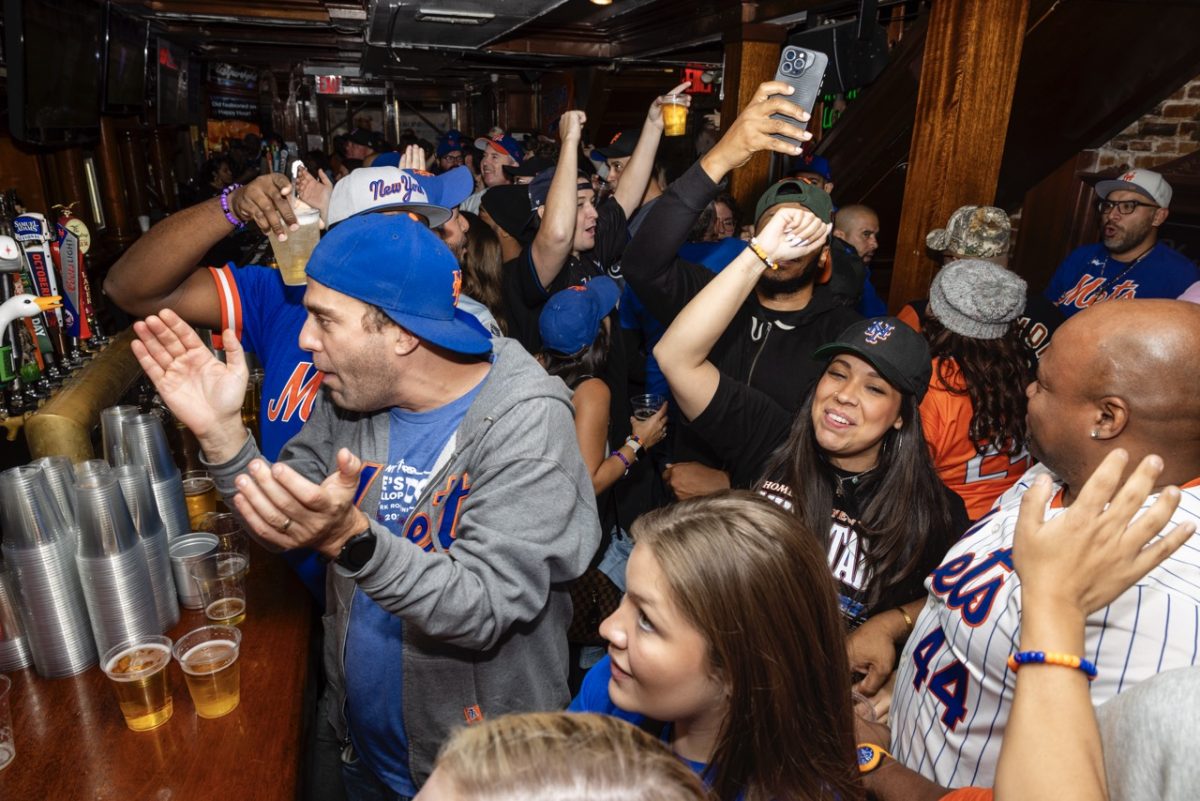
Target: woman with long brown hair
729,646
481,267
974,412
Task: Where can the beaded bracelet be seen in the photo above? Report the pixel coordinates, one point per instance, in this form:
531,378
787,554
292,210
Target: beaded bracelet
761,252
229,215
624,461
1051,658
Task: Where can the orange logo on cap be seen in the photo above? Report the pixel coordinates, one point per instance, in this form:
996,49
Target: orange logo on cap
613,141
457,285
1129,176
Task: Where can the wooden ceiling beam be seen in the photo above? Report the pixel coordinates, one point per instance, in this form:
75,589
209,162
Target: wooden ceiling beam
296,10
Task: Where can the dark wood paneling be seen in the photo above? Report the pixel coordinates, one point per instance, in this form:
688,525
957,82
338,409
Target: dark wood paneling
968,76
751,57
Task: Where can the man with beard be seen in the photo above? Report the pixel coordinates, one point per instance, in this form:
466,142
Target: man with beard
791,313
1129,261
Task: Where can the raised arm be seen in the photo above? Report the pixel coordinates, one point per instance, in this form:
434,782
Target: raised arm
159,269
635,178
682,352
1071,566
556,233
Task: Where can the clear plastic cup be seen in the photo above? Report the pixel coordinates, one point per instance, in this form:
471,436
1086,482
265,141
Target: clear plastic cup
138,670
646,406
8,748
209,658
222,582
292,254
674,111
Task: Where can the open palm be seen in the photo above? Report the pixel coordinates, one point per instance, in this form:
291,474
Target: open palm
201,391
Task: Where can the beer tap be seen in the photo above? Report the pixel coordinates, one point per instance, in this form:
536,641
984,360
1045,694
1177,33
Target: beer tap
67,222
32,234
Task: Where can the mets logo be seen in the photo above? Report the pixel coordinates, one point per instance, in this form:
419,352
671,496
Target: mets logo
1129,176
457,290
613,141
878,331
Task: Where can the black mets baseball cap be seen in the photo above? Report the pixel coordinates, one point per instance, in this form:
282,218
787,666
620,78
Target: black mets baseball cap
899,353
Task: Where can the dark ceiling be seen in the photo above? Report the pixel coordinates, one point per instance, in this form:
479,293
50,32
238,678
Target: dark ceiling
452,42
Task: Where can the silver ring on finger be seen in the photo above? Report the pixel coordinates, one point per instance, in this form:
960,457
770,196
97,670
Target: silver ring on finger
287,522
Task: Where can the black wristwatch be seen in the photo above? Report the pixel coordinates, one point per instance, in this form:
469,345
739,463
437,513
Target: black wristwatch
357,551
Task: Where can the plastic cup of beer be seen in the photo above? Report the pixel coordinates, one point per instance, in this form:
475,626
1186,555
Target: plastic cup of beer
646,406
138,670
674,111
222,582
291,255
231,538
200,493
209,658
8,749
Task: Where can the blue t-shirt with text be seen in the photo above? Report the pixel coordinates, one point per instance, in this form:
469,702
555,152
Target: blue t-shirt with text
374,639
1090,275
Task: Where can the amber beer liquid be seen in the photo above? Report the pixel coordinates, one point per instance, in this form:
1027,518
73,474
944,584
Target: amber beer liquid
674,116
213,677
226,611
139,675
200,493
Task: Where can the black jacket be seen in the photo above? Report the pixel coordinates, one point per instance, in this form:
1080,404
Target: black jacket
769,350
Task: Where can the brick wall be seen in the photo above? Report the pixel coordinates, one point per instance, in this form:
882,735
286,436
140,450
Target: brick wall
1170,130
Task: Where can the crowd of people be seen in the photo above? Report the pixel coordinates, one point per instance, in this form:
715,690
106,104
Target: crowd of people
835,554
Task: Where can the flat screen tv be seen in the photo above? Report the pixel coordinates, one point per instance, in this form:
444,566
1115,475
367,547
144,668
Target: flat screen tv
174,73
53,54
124,63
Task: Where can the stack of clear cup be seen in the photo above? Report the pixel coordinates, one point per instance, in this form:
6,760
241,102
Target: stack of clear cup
112,564
135,485
112,433
39,552
14,648
146,443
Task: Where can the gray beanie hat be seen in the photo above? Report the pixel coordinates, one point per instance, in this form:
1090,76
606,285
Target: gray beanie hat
976,298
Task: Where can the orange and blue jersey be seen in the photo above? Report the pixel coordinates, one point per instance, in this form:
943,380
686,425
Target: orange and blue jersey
978,478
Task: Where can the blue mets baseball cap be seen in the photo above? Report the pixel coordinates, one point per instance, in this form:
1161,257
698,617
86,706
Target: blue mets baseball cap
899,353
399,265
372,189
571,318
505,144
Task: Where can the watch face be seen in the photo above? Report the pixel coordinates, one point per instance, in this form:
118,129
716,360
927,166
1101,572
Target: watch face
865,754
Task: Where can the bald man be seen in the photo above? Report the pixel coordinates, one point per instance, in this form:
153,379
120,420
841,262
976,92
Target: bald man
1115,376
858,226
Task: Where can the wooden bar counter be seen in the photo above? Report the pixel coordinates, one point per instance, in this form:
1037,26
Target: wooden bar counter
72,743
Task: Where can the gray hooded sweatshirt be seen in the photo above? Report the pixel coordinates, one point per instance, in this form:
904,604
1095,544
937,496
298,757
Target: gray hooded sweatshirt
485,621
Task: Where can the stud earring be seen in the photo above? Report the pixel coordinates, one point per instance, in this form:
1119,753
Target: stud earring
1095,433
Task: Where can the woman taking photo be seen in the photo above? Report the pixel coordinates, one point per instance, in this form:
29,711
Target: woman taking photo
853,464
729,648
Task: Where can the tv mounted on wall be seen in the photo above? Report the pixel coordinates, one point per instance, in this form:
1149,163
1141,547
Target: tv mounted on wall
53,53
126,40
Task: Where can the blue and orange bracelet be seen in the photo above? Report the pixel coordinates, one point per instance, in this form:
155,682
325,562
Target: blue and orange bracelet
1052,658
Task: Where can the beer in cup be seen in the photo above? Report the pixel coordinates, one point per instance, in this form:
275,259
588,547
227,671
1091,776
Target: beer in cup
138,670
292,254
674,111
222,582
209,658
200,493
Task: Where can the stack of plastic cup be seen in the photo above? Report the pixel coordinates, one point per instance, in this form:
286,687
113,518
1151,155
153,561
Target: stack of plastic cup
61,476
90,468
39,551
112,433
112,564
146,443
14,648
135,484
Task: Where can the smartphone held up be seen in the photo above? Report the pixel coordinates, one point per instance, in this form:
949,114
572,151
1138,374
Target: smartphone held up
804,71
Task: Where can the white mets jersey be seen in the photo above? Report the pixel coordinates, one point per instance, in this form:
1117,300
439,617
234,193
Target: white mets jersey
954,690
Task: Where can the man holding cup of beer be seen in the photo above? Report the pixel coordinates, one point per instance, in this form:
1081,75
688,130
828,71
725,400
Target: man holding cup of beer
457,509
